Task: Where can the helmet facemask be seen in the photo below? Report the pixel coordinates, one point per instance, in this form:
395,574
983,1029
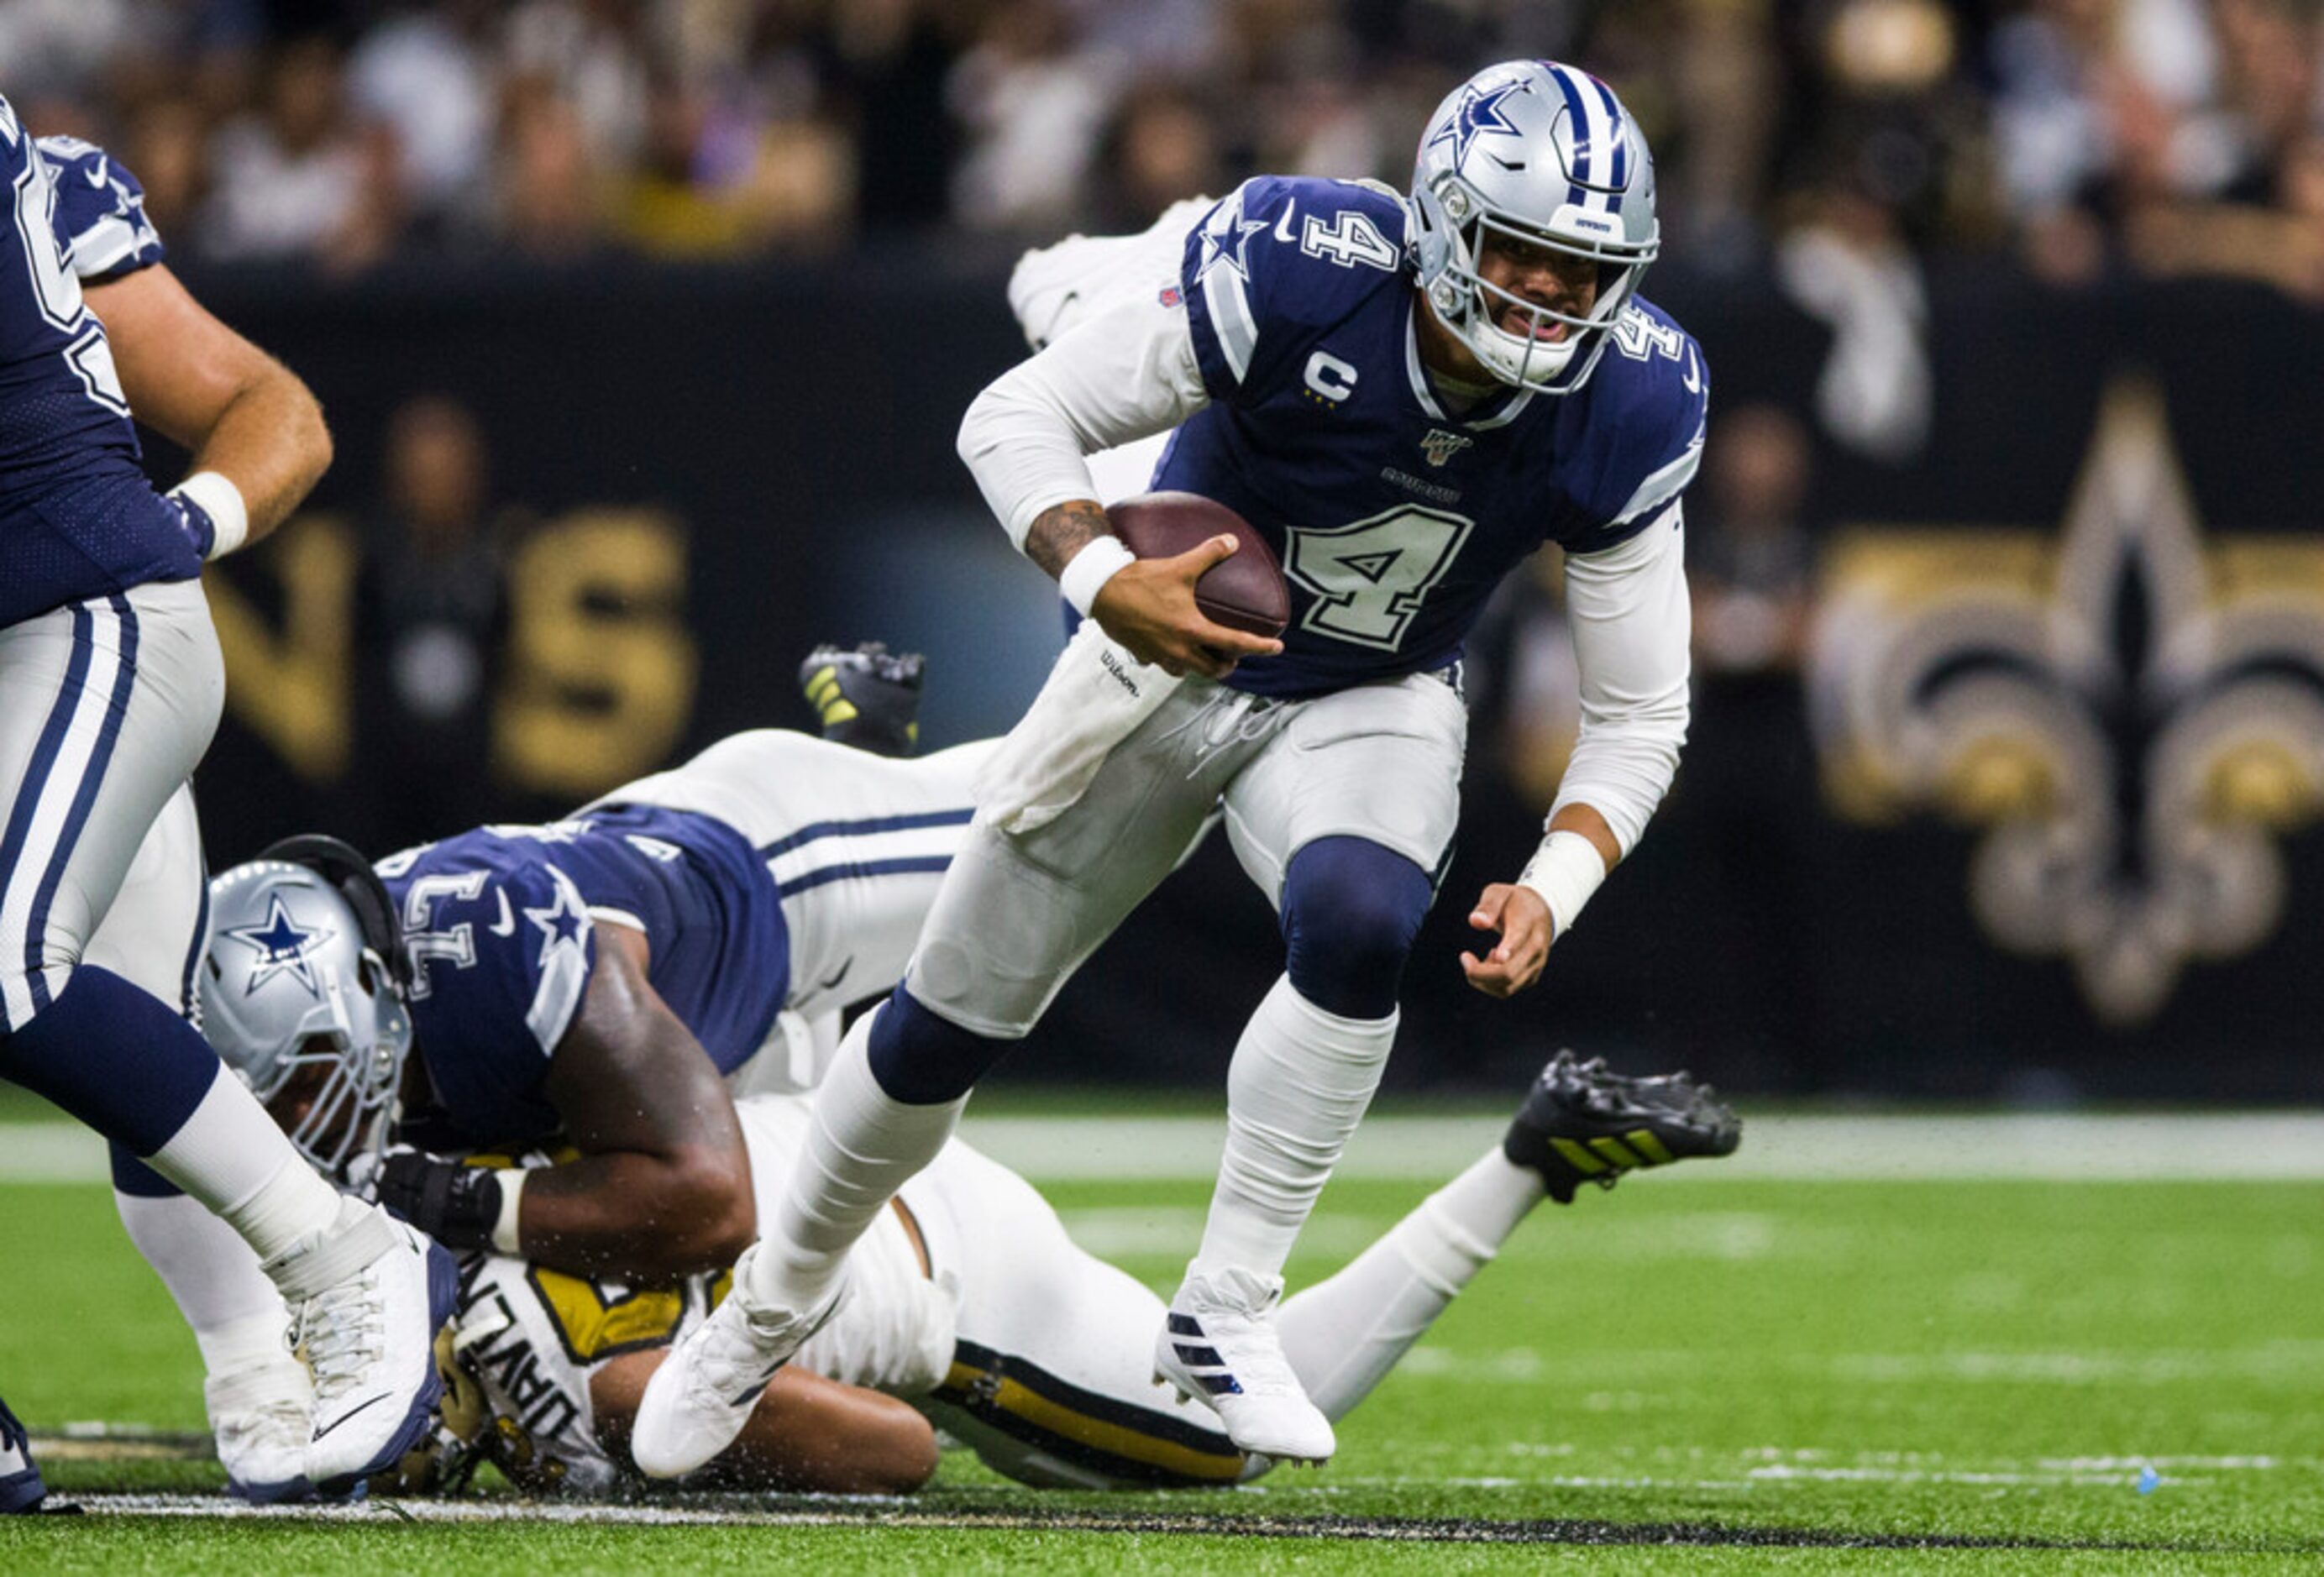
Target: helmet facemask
355,1066
1532,154
300,999
1472,306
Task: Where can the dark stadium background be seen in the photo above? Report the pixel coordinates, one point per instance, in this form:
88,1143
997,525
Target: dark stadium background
713,378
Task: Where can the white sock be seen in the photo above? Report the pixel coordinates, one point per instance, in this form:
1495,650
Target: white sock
1343,1335
248,1343
209,1270
1299,1084
230,1155
862,1146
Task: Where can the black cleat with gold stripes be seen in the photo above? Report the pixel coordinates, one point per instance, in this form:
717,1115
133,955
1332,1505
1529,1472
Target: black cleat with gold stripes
1584,1123
867,696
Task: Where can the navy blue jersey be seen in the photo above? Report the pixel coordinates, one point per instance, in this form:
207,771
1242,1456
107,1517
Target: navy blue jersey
502,924
100,219
1394,520
78,518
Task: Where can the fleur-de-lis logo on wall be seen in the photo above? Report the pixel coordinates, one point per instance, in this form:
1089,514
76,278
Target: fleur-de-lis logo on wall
2136,719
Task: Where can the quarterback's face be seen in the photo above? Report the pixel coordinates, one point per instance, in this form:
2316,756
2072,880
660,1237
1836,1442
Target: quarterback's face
1537,275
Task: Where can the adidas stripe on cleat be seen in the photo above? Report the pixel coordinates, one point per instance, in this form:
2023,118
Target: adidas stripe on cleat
1201,1360
1219,1346
1582,1123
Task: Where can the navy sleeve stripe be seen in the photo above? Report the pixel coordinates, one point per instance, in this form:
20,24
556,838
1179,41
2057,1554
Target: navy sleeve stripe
189,1000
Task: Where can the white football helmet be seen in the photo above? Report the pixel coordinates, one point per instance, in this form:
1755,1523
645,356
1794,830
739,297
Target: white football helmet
1544,154
305,968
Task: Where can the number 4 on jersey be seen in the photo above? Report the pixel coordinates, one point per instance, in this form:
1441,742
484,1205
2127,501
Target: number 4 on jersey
1350,239
1370,577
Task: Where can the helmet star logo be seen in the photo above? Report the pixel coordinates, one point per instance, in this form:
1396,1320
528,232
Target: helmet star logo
1477,113
281,948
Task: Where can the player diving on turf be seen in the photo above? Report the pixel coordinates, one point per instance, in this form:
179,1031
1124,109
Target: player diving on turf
1405,398
971,1311
595,981
110,686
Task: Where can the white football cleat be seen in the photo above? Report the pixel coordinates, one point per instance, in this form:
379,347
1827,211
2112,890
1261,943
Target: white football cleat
260,1416
21,1488
700,1397
1220,1346
367,1298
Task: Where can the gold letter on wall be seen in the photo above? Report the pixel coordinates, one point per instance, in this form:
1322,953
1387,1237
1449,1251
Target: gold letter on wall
601,667
291,687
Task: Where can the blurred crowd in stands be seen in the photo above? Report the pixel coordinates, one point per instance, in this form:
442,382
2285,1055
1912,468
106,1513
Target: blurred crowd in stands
1822,136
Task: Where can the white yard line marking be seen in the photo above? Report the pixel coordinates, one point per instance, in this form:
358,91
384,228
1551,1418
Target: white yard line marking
2159,1146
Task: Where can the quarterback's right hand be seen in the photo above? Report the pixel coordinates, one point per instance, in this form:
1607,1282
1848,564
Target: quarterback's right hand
1148,606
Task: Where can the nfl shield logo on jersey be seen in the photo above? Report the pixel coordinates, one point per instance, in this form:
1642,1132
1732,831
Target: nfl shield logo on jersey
1440,446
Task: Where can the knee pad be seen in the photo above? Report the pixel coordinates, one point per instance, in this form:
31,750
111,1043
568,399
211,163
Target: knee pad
1351,910
922,1058
113,1056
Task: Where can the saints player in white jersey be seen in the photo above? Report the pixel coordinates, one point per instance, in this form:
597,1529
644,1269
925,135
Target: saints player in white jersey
968,1299
1405,396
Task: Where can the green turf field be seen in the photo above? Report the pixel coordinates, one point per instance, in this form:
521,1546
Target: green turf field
1707,1372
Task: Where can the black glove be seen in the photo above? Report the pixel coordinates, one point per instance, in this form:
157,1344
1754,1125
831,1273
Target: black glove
457,1205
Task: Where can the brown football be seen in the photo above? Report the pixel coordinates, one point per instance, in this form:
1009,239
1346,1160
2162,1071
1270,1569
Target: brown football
1247,592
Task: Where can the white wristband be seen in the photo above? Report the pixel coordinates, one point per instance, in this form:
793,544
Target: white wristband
1099,560
1565,871
511,1190
220,500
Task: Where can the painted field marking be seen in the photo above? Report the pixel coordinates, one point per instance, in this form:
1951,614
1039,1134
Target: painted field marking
1882,1148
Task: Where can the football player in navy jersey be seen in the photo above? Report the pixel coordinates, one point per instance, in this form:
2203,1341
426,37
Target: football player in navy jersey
1406,396
110,686
596,984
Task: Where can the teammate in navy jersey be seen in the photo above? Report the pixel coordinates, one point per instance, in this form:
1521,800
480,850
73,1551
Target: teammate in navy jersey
596,984
110,686
589,983
1405,397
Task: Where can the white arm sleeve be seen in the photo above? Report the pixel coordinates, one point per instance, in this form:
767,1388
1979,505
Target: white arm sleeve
1128,373
1631,631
